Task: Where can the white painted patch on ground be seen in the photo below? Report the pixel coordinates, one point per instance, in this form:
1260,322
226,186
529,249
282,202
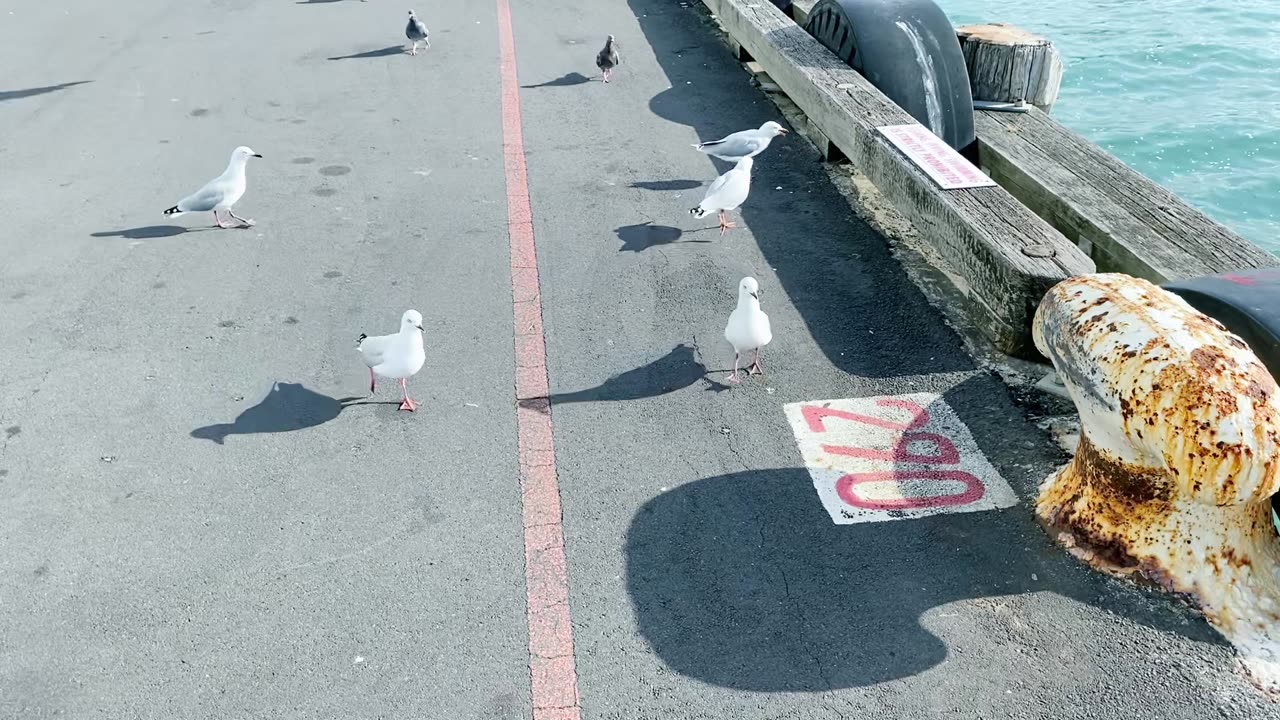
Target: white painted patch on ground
894,457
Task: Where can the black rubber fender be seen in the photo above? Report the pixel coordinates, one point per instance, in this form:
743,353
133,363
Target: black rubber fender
896,45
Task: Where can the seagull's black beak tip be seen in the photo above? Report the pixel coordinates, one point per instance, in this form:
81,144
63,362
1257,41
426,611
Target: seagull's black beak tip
257,155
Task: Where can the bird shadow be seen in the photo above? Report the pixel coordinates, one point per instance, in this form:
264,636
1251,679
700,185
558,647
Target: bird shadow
566,80
31,92
368,54
666,184
288,407
641,237
676,370
147,232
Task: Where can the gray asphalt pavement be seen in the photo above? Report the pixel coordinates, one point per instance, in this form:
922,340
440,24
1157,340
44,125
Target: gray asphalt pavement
202,516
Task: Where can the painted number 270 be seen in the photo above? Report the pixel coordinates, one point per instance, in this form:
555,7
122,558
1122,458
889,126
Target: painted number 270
929,483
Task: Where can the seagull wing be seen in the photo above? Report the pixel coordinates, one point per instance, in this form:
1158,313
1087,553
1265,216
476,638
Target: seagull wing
738,144
717,187
374,349
206,198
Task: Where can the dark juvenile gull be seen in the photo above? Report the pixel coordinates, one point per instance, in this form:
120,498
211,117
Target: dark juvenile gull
607,58
221,192
417,32
726,193
744,143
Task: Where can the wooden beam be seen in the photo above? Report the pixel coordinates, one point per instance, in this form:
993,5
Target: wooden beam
1126,221
1006,254
800,10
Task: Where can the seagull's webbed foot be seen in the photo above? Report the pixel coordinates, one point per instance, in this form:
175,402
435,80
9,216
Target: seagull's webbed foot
733,379
408,403
725,224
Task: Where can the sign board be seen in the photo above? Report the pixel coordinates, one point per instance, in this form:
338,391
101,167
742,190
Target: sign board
942,163
894,457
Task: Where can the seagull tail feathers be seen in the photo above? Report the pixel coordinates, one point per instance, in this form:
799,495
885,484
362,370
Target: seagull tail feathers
697,212
173,212
360,339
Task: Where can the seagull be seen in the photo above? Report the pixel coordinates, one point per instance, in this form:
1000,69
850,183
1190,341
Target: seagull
607,59
399,356
726,193
221,192
417,32
748,327
744,143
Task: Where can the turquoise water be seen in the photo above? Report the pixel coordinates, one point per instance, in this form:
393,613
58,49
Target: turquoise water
1187,93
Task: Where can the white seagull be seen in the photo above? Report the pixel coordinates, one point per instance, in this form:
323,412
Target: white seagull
417,32
398,357
221,192
748,327
727,192
744,143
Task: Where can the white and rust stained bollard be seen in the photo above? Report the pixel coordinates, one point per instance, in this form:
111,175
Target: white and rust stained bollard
1179,454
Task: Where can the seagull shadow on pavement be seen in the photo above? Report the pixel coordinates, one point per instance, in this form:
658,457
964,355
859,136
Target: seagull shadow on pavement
638,238
30,92
288,407
148,232
567,80
666,185
676,370
381,52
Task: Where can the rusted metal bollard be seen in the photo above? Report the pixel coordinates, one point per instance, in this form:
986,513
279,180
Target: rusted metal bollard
1179,454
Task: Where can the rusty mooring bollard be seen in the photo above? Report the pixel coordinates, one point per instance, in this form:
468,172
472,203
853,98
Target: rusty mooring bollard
1179,454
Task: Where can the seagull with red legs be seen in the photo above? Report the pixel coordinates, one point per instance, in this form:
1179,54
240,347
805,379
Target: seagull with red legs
748,327
397,357
220,193
727,192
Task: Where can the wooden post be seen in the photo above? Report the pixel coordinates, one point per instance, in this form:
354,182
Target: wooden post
1010,65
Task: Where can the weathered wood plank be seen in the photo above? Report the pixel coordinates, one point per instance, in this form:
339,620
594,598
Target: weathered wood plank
1126,221
989,238
800,10
1008,64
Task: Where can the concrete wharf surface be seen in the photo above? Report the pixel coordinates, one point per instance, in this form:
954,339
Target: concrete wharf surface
202,516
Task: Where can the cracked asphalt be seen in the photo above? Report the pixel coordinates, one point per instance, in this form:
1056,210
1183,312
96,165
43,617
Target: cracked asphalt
203,516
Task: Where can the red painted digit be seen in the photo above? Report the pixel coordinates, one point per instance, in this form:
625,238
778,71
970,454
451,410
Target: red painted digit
973,491
814,414
947,452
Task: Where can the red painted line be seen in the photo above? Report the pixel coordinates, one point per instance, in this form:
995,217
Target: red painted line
553,674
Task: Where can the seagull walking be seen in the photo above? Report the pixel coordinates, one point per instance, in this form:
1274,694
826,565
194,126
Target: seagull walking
748,327
221,192
726,193
607,59
744,143
398,357
416,31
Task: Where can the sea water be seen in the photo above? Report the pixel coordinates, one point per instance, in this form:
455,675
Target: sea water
1185,92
